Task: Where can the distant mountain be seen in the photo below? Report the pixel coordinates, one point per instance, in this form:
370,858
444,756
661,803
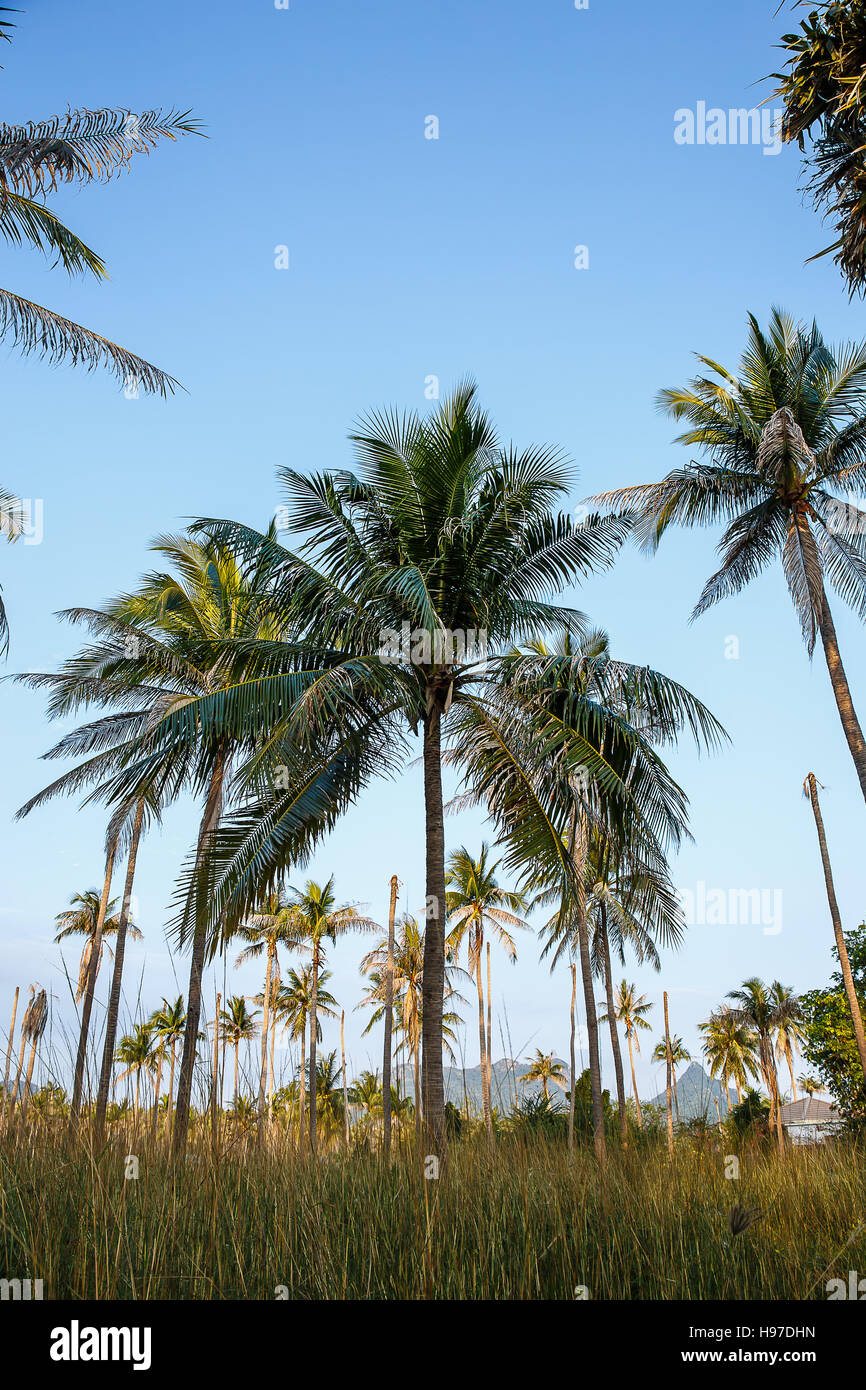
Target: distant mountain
506,1084
697,1093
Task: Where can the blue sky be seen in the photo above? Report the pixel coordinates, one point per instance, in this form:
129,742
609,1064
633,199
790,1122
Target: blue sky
409,258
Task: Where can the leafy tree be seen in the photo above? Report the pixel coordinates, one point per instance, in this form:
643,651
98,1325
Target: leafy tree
829,1045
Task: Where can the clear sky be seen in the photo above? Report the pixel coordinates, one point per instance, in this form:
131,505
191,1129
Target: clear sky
412,257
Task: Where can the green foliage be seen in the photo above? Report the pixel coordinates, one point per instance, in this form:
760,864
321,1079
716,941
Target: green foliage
752,1113
829,1045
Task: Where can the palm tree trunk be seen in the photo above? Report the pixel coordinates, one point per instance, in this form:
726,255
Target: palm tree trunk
114,997
215,1081
599,1141
573,969
614,1032
26,1096
135,1101
844,702
263,1070
418,1112
171,1089
432,1081
302,1095
314,1028
389,1024
87,1007
634,1079
841,948
237,1050
790,1058
209,821
488,1055
668,1071
156,1087
482,1044
271,1066
345,1082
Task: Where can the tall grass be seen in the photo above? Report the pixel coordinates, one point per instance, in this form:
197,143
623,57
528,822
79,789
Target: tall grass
521,1222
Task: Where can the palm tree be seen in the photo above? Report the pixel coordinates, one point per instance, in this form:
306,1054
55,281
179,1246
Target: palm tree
789,1030
329,1091
317,919
414,575
167,1026
577,763
35,1021
822,87
811,1085
631,1009
80,919
158,651
475,899
35,159
237,1025
366,1092
679,1054
780,440
137,1053
758,1008
293,1006
274,924
729,1048
543,1068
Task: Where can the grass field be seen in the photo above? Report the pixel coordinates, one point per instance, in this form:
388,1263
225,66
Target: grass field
522,1222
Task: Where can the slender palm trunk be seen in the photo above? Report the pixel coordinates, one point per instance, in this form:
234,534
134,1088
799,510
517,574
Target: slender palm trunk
209,822
20,1066
489,1050
389,1024
628,1032
263,1070
237,1050
25,1099
614,1032
345,1082
171,1088
157,1085
9,1051
302,1096
433,1082
314,1028
668,1071
215,1081
789,1056
841,948
271,1067
573,969
87,1006
135,1101
844,702
599,1141
482,1047
117,976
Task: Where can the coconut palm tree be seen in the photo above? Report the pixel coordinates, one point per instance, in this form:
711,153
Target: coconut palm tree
729,1048
811,1085
273,925
293,1007
789,1030
411,577
167,1026
781,439
318,919
366,1092
758,1008
80,919
544,1068
823,91
474,900
572,755
631,1009
35,1021
237,1025
137,1054
157,650
679,1055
